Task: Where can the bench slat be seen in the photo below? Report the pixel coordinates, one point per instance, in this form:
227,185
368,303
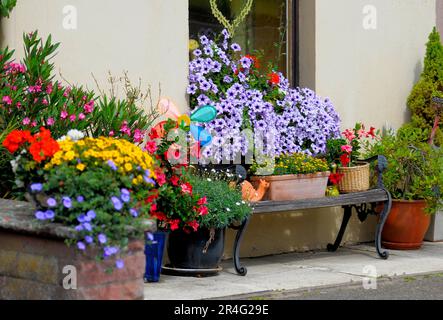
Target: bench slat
373,195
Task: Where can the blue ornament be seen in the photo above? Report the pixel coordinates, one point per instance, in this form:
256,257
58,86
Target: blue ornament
201,134
206,113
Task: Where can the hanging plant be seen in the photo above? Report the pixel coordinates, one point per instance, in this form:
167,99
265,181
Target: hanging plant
6,7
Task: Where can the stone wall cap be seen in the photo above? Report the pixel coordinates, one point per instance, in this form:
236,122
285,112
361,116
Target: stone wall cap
18,216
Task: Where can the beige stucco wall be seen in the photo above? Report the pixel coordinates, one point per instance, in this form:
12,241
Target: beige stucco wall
367,73
149,39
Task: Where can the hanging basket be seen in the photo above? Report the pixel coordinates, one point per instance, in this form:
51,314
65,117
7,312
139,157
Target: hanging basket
354,179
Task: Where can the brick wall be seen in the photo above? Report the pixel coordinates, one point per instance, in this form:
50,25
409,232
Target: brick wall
31,267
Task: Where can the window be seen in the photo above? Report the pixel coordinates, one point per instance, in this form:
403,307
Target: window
268,27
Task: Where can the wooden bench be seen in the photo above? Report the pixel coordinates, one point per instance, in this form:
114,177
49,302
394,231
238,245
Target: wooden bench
364,203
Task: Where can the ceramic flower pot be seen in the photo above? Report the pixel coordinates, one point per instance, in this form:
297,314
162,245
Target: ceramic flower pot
194,250
406,225
294,186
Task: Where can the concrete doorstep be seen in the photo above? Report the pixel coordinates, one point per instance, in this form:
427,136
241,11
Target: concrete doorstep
349,265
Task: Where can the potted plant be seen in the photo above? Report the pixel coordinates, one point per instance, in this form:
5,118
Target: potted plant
295,176
204,248
345,153
97,188
413,177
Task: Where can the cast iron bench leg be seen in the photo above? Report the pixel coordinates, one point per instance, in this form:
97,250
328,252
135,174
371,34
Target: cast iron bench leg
383,216
346,216
238,238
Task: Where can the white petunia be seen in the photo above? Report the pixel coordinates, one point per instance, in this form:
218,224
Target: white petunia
75,135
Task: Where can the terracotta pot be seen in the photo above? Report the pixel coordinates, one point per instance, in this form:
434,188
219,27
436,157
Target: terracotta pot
406,225
294,186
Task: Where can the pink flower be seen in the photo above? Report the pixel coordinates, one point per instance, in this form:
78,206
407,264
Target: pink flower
81,116
194,225
347,148
202,201
49,88
125,129
67,92
151,147
111,133
26,121
138,135
34,124
50,121
349,134
7,100
89,107
63,114
45,102
203,211
72,117
186,188
18,105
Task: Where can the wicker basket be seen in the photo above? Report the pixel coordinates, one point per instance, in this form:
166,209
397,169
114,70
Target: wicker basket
355,179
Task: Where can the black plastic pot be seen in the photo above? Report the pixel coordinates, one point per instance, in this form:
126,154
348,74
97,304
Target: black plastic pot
187,250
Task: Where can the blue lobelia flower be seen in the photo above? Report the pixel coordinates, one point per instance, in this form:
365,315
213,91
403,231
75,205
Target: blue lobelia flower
49,214
36,187
102,238
118,205
51,202
125,195
40,215
81,245
119,264
67,203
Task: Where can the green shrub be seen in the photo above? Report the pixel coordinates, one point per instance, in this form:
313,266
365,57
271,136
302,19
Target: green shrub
414,169
430,84
6,7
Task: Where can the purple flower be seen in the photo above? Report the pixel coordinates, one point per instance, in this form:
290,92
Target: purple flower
79,228
236,47
40,215
148,180
119,264
67,203
51,202
49,214
82,218
90,215
102,238
109,251
245,62
112,165
133,212
80,199
87,226
227,79
125,195
81,246
197,52
225,33
150,236
204,40
116,203
89,239
36,187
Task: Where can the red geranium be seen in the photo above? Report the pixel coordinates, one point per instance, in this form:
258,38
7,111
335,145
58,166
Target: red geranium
174,180
274,78
345,159
186,188
202,201
16,139
335,178
193,224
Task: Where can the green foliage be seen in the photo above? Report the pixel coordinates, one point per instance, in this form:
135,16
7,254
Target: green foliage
414,169
224,199
6,7
333,150
430,84
296,163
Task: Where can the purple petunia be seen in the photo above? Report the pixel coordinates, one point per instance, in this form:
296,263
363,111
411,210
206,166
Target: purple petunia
49,214
81,245
51,202
119,264
90,215
40,215
112,165
36,187
116,202
67,203
102,238
109,251
89,239
236,47
80,199
133,212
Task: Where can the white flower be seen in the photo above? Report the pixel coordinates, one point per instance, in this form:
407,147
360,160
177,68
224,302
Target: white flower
209,179
14,164
75,135
243,202
238,203
63,138
227,209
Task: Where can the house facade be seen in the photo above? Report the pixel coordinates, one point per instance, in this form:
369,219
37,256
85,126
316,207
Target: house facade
364,55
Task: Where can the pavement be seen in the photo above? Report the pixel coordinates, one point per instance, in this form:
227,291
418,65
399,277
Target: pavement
350,273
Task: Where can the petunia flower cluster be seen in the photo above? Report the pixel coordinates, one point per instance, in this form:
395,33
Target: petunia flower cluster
280,119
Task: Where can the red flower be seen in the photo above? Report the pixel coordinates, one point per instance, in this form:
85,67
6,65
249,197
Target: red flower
161,177
151,147
371,132
186,188
335,178
274,78
174,180
345,159
16,139
193,224
254,60
202,201
153,208
174,224
203,211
